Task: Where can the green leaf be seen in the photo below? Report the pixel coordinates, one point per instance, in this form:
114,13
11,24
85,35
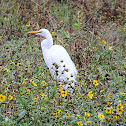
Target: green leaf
54,90
37,69
21,115
21,100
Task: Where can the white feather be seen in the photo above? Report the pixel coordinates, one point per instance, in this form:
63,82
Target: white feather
58,60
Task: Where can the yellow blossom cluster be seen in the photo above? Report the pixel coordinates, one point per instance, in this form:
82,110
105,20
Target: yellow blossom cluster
55,114
34,99
43,83
1,68
79,123
68,115
44,96
53,33
109,110
34,83
101,116
10,97
90,95
87,114
59,112
103,41
6,70
78,115
95,82
28,90
3,98
28,24
64,93
120,108
24,82
1,37
122,93
110,48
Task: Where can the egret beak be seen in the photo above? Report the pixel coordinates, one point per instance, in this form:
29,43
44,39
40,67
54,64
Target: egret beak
33,32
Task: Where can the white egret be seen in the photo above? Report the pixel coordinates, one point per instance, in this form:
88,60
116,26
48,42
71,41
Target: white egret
57,59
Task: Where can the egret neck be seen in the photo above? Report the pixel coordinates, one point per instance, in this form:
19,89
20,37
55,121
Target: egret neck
48,42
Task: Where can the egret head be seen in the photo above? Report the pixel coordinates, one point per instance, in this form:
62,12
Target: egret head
42,32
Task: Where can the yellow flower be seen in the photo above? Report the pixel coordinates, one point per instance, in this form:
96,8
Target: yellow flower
60,111
42,108
87,114
6,91
61,87
124,103
53,33
111,108
43,83
79,123
101,90
110,48
28,25
103,41
34,83
78,115
19,64
24,82
119,105
68,115
122,93
115,117
6,70
120,101
89,122
125,66
109,111
55,114
1,37
101,117
108,119
34,98
90,95
78,75
95,82
44,96
1,68
28,91
10,97
120,109
61,21
5,18
124,27
64,93
85,120
2,98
